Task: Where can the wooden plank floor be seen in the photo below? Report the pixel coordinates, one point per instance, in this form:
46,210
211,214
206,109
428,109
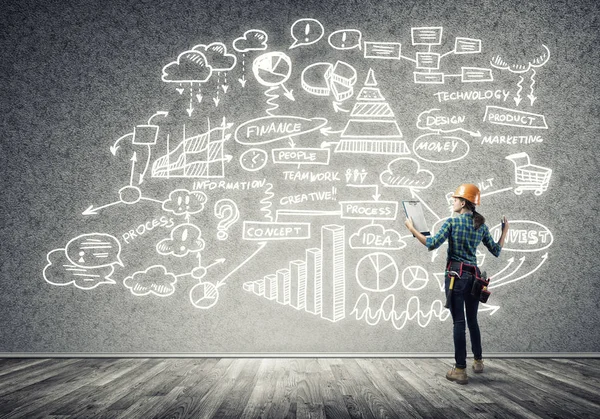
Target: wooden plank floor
295,388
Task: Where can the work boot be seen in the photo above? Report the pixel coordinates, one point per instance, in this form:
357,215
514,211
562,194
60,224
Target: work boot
459,375
478,365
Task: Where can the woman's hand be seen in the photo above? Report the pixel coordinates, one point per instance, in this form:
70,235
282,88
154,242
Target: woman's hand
409,223
504,231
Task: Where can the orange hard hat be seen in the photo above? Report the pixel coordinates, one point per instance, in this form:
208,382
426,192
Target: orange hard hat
469,192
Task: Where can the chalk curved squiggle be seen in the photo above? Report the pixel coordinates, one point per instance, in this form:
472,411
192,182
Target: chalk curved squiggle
272,98
267,203
387,312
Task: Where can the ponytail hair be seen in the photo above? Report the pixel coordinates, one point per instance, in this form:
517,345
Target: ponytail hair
478,219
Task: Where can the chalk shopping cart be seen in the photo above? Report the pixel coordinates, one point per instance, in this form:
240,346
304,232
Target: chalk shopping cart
529,176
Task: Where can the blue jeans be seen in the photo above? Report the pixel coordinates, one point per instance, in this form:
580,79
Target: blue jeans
462,301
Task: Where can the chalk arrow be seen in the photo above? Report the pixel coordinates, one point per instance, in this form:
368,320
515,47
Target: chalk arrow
532,98
338,108
291,142
261,246
510,262
518,97
159,113
544,258
243,81
327,130
133,161
327,144
180,90
216,262
94,211
225,87
414,195
499,280
216,100
288,93
115,146
199,97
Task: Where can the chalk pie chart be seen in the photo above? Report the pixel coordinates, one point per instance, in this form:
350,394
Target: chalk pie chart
272,69
377,272
415,278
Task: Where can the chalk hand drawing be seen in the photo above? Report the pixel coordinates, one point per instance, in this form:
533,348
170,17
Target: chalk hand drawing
204,295
227,211
254,159
251,40
399,317
86,261
433,120
377,272
315,190
216,56
372,127
273,69
268,129
375,236
306,32
184,239
345,39
184,202
61,271
529,176
198,156
405,172
540,58
153,281
190,67
316,284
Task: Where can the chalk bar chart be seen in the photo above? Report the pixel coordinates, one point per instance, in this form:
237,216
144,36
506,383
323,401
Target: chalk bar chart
317,284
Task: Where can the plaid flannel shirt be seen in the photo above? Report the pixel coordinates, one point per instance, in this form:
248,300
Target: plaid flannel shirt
463,239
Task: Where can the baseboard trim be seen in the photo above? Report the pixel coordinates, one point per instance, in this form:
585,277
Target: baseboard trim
292,355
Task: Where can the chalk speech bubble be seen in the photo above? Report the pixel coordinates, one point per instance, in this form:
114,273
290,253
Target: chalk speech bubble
345,39
60,271
94,250
306,32
268,129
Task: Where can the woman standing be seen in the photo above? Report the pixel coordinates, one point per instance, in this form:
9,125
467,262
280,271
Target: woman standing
464,233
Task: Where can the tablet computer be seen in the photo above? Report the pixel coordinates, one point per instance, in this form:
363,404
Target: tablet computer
414,210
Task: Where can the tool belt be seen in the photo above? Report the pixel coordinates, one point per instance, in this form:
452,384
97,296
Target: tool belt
481,282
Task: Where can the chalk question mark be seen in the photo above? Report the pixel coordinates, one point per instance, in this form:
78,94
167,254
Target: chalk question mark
227,211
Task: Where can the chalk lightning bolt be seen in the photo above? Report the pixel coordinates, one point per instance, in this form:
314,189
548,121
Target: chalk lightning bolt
531,96
518,97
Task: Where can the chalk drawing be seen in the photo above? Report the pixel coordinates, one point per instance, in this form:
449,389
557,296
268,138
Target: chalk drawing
306,32
529,176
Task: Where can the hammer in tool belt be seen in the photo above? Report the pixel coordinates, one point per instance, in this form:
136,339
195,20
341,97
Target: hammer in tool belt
453,275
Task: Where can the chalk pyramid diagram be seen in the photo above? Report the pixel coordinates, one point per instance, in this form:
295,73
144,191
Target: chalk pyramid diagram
372,128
